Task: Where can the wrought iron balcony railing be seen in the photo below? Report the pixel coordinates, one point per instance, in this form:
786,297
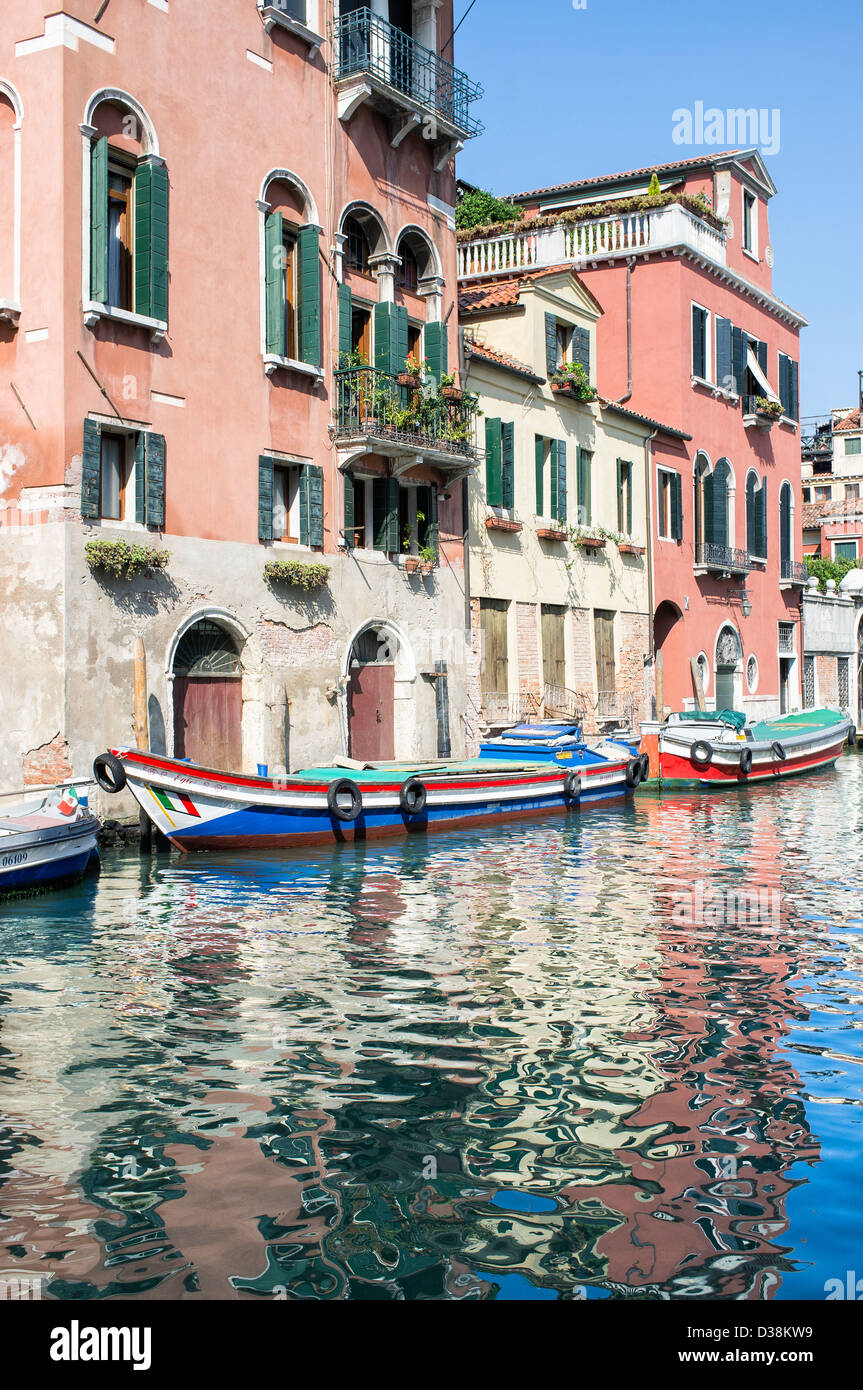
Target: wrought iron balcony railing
368,46
795,571
721,557
372,405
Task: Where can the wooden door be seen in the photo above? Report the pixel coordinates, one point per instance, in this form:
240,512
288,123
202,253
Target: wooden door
603,629
208,721
494,672
371,695
725,687
553,645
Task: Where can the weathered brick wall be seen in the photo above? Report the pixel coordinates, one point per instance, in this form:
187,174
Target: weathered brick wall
47,765
584,676
633,640
295,645
529,679
470,714
826,679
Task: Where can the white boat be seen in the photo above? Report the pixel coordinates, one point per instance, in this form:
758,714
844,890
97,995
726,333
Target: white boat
44,842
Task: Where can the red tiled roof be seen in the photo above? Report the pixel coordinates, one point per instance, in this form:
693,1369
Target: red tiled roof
642,419
851,421
501,359
816,513
476,296
697,162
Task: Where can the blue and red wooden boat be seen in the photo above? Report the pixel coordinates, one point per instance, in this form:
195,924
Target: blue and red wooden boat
45,842
203,808
607,768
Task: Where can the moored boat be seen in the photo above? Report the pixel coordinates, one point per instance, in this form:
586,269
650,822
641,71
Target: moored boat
607,768
716,750
45,842
203,808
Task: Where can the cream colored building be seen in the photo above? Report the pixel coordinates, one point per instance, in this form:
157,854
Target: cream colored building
558,518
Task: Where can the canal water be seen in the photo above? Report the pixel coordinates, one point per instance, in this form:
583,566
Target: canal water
617,1056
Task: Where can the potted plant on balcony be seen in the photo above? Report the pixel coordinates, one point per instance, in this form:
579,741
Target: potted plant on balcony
412,374
448,388
573,378
767,409
427,558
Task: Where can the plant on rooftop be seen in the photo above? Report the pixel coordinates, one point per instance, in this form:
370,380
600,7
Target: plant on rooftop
643,202
125,561
824,569
653,187
481,208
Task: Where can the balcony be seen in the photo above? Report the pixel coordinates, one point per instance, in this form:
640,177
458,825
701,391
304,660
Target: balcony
619,235
793,575
378,63
721,559
376,414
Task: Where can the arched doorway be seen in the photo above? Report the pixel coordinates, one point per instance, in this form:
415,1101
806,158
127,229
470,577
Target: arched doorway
668,644
371,694
208,697
729,657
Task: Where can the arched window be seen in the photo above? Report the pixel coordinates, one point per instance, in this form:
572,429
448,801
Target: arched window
10,202
128,209
756,516
409,273
357,249
291,281
786,545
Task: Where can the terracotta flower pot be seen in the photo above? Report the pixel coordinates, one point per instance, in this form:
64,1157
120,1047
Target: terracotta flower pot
412,564
452,393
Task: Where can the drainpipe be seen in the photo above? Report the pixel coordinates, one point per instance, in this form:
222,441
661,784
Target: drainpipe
648,499
623,399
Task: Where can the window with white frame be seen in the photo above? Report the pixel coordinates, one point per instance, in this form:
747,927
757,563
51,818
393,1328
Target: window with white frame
701,364
750,223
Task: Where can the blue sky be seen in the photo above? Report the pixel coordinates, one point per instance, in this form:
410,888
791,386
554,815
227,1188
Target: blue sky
574,93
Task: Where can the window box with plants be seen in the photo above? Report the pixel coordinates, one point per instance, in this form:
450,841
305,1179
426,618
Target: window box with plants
550,529
588,540
413,374
499,520
297,574
572,379
627,546
123,560
448,388
764,411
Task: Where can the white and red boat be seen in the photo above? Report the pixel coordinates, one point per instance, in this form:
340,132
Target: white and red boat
724,750
203,808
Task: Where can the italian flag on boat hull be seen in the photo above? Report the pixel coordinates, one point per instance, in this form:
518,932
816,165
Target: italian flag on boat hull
724,750
203,808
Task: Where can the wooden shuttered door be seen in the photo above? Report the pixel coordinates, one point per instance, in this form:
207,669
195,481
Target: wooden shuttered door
494,669
435,345
312,514
274,254
507,471
493,463
151,240
603,631
99,221
346,311
550,343
309,278
91,468
553,645
385,514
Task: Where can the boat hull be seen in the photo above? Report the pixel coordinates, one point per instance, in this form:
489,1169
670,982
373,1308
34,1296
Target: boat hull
28,862
813,750
204,809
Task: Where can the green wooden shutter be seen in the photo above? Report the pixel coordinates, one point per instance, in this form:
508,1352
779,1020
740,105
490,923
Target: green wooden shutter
385,514
140,477
785,525
619,495
349,521
315,486
391,338
723,353
91,468
99,222
581,347
584,487
383,334
751,530
151,241
274,253
784,383
762,518
677,507
629,488
435,345
309,296
265,498
539,456
738,360
561,482
432,538
493,463
303,501
550,343
707,503
346,310
699,344
507,433
154,457
392,515
761,355
553,472
795,390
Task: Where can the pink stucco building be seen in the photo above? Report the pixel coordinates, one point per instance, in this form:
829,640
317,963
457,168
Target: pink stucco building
693,335
220,242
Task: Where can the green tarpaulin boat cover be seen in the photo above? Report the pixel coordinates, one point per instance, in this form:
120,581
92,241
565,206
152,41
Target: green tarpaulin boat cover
709,716
799,721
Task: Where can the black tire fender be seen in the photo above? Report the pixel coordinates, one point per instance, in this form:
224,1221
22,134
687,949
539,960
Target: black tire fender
412,797
644,763
701,753
342,788
778,751
633,773
109,773
572,785
746,761
852,737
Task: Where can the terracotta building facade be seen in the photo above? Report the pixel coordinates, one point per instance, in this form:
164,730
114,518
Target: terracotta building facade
249,239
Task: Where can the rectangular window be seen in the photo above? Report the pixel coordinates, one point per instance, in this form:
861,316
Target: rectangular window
564,335
116,490
789,386
823,494
852,492
700,365
844,550
669,505
750,230
415,335
583,482
842,674
120,236
808,682
852,446
286,519
624,496
289,248
360,494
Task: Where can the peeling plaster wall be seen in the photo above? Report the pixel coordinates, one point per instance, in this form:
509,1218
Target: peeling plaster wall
32,645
